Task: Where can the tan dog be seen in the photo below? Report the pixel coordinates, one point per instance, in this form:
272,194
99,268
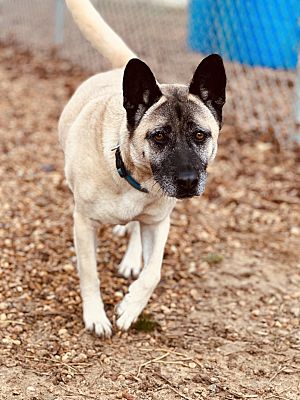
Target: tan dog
131,148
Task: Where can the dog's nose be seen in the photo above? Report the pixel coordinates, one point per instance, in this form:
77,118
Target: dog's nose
187,180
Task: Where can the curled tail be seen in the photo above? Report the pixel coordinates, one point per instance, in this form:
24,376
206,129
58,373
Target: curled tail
99,33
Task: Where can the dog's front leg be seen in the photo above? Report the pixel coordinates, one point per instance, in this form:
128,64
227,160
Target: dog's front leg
154,238
85,244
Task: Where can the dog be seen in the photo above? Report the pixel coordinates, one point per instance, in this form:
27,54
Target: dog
132,147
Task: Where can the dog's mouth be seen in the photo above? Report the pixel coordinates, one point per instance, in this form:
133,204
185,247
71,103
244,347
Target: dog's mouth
171,187
182,196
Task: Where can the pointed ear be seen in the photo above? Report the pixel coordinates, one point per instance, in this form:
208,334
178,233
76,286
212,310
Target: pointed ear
209,83
140,91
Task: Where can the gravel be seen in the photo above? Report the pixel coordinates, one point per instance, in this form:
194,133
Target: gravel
227,309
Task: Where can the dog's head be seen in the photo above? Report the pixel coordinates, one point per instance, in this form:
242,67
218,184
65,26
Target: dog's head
173,129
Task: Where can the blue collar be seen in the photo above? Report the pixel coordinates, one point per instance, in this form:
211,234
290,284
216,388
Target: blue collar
126,174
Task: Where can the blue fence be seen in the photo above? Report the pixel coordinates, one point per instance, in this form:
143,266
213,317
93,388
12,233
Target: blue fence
253,32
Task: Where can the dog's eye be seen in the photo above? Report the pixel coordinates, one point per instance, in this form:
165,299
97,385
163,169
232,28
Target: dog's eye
200,136
159,137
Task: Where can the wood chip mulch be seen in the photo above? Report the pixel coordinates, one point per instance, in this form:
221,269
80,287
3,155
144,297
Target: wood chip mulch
227,309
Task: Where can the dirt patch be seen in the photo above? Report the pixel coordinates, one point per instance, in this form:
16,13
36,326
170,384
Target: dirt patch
227,308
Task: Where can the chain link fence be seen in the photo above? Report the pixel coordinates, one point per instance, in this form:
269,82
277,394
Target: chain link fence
260,99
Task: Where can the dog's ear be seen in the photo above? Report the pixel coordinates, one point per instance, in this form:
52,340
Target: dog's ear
140,91
209,83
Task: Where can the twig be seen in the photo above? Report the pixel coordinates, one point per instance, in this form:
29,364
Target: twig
186,358
170,385
243,396
35,371
276,373
237,394
285,390
10,321
179,394
295,367
48,360
150,362
71,365
173,362
248,388
88,396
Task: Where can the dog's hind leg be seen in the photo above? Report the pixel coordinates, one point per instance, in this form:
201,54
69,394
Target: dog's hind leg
94,315
132,260
154,238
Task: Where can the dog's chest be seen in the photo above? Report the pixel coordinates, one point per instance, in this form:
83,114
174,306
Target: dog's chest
128,207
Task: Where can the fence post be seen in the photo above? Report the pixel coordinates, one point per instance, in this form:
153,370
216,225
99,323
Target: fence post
59,22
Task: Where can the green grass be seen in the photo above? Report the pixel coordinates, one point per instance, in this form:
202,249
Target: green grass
213,258
146,323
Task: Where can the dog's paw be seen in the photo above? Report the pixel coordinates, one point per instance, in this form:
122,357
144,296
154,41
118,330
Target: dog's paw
130,267
128,312
95,319
119,230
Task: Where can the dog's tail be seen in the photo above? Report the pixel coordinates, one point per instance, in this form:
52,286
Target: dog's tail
99,33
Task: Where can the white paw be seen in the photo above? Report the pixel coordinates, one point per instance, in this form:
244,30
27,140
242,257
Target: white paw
120,230
128,312
130,266
95,319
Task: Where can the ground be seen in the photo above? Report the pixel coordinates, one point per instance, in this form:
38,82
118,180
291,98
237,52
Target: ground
226,313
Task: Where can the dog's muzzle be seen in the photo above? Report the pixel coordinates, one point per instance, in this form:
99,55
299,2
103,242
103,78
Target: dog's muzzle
190,183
